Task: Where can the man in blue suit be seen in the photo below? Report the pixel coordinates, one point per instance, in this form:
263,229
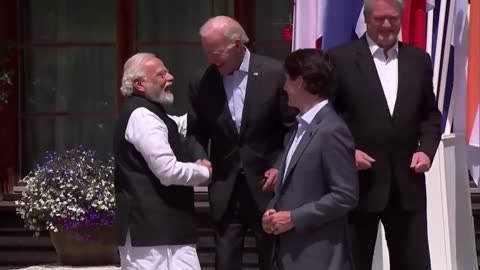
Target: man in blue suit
317,182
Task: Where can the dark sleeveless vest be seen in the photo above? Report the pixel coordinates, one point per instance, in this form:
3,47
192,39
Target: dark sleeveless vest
153,213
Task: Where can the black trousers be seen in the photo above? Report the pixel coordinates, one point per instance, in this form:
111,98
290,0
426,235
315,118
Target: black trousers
405,232
242,214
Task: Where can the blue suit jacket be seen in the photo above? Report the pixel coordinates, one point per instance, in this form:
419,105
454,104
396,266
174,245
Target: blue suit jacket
320,188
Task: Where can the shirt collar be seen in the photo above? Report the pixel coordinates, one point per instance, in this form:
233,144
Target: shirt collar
374,48
245,62
308,116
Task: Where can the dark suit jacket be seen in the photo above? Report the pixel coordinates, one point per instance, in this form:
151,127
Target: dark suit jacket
265,121
319,189
390,140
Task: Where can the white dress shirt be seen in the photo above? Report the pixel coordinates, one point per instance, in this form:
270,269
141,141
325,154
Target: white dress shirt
387,69
181,122
235,85
149,135
304,121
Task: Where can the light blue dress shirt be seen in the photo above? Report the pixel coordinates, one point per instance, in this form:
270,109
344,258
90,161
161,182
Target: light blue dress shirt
304,121
235,85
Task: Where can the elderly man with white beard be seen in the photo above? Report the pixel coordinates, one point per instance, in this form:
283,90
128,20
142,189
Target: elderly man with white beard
153,185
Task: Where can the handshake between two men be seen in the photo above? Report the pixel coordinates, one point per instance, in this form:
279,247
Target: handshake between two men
205,163
267,183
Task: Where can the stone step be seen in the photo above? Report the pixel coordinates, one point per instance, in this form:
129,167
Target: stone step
208,259
17,242
38,256
21,240
28,257
19,247
63,267
7,206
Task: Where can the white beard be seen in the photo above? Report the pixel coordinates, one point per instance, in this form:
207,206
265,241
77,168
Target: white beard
160,96
165,98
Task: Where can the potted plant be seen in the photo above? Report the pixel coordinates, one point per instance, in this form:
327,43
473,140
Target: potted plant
72,195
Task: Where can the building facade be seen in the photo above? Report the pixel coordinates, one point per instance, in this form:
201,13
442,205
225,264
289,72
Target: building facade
66,63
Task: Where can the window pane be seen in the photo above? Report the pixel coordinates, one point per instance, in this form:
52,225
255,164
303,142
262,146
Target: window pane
69,21
182,61
277,50
271,18
63,133
171,20
179,20
69,79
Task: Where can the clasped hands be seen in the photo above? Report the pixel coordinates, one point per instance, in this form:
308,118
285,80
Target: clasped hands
276,223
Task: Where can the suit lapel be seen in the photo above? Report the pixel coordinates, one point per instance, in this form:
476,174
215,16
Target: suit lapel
251,91
225,118
305,141
368,70
282,169
403,70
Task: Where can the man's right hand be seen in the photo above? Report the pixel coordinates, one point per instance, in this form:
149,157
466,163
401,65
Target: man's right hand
205,163
363,161
267,222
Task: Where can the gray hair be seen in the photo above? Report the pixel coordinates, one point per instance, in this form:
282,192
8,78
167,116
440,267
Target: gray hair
134,69
230,28
368,4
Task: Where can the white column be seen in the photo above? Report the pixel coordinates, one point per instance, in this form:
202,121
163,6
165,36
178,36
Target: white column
451,233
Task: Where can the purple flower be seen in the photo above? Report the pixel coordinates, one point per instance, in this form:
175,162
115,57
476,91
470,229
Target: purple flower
71,190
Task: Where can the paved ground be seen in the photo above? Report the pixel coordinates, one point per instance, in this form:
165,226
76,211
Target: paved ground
59,267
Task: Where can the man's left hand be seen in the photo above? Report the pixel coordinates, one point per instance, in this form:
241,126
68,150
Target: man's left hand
282,222
420,162
270,178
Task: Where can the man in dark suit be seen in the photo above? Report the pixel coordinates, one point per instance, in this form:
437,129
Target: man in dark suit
384,92
238,106
317,184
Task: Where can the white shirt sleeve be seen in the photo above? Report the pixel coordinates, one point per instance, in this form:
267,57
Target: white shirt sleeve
149,134
181,122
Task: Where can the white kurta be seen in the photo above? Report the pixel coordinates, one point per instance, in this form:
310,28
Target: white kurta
149,134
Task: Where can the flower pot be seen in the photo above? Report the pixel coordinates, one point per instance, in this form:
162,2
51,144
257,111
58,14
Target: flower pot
93,246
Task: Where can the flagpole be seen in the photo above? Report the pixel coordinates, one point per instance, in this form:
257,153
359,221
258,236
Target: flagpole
294,23
438,47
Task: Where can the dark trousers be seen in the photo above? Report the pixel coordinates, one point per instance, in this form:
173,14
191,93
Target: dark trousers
405,232
242,214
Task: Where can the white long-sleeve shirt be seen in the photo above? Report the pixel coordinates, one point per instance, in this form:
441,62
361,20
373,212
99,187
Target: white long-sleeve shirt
149,134
387,69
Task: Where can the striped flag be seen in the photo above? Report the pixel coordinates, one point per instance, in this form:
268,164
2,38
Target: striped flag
473,92
456,111
326,23
308,23
430,4
414,23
